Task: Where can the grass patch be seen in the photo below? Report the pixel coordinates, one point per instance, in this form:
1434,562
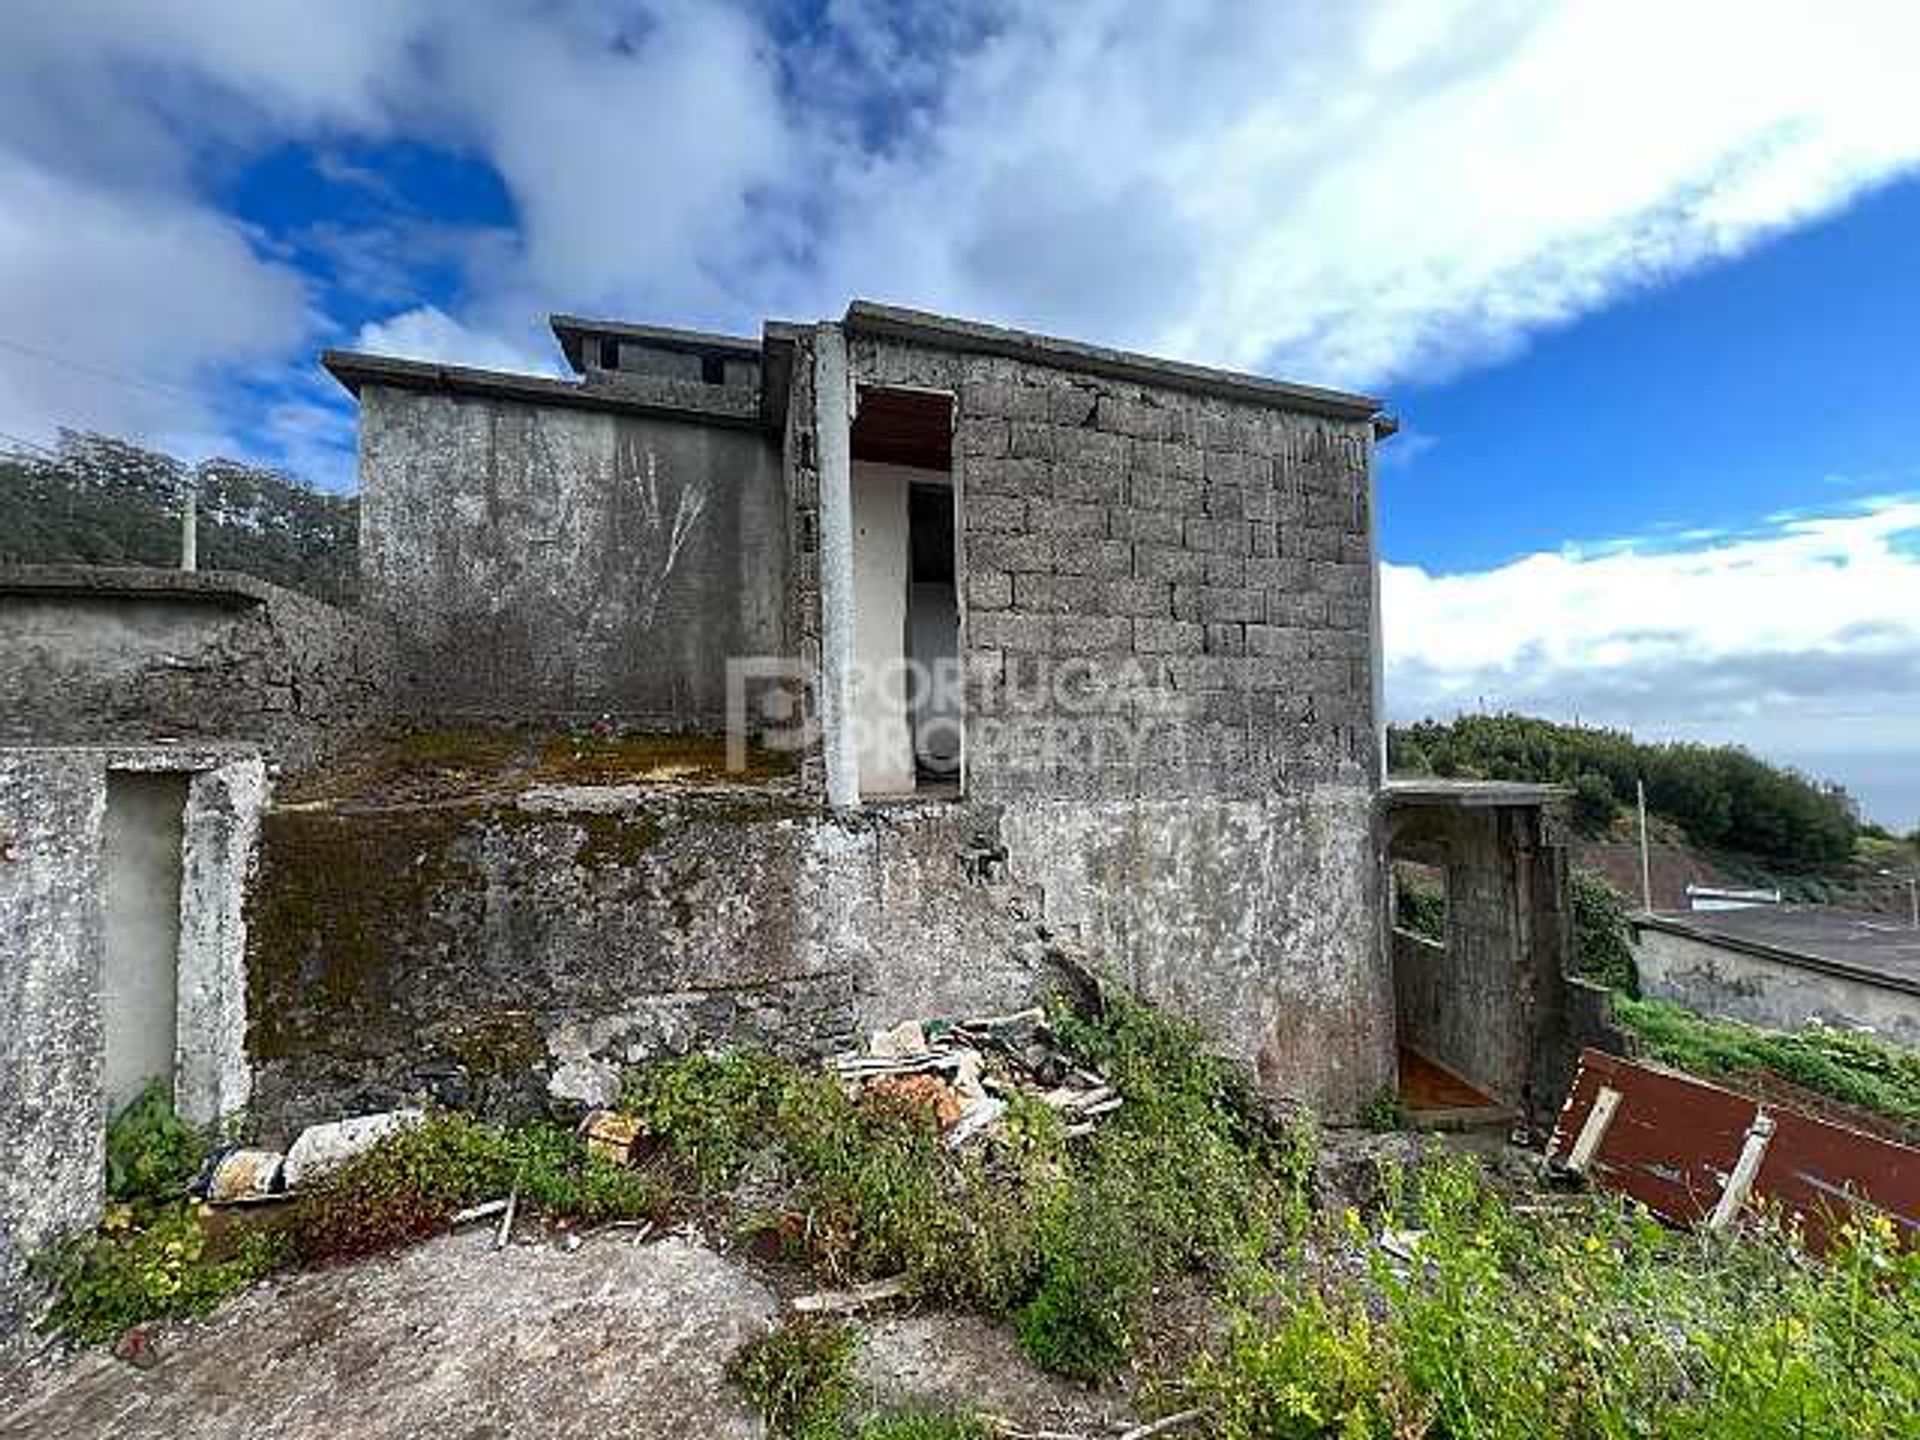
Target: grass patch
1585,1322
591,758
800,1378
1843,1065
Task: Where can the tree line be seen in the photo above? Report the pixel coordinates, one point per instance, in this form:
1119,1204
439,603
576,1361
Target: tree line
1723,796
96,500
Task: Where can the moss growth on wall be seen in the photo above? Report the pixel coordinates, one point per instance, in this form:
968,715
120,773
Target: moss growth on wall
594,759
337,896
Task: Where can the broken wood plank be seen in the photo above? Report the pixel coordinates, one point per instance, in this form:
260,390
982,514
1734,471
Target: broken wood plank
847,1302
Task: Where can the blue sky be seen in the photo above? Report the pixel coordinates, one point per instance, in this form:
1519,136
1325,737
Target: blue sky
1646,302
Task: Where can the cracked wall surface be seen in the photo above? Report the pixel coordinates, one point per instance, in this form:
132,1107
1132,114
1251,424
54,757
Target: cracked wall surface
115,655
548,563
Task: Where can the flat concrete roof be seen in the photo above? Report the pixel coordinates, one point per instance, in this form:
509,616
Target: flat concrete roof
1470,794
1882,948
219,587
572,331
661,399
865,317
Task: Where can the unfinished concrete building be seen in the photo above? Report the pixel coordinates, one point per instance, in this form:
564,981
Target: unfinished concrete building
963,652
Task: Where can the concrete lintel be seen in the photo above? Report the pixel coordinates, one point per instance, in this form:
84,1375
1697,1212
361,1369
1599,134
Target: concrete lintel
833,424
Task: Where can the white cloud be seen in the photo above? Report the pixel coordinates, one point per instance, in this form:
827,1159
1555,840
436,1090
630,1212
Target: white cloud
116,311
1800,639
429,333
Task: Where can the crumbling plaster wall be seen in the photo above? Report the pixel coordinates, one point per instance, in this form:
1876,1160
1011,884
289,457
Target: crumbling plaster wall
1166,629
551,563
473,954
115,655
52,941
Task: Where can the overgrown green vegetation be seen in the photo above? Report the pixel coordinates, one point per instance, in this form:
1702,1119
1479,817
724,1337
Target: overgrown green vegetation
150,1258
410,1184
1602,938
1067,1238
1846,1065
1582,1322
1722,796
1419,904
799,1377
152,1154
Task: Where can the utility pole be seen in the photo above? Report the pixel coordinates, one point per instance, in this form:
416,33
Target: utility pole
190,525
1646,866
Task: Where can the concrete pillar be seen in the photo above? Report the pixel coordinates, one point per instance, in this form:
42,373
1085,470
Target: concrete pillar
833,447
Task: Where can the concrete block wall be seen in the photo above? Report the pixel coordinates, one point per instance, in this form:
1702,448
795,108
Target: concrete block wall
1162,591
1166,603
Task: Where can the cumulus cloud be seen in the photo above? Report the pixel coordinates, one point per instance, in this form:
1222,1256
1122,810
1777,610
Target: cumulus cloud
1357,194
429,333
1800,638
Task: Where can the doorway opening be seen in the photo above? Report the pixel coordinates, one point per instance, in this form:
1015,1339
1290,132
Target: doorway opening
142,862
906,621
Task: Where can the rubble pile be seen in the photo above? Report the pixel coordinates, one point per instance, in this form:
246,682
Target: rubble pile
965,1072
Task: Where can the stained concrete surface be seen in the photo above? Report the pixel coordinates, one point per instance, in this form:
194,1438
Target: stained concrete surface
451,1339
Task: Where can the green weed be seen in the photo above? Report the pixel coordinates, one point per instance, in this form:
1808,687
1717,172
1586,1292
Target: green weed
152,1154
800,1378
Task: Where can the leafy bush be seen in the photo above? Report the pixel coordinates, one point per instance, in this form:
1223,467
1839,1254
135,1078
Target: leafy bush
1571,1322
1594,803
1602,938
1419,909
1068,1237
1723,796
152,1154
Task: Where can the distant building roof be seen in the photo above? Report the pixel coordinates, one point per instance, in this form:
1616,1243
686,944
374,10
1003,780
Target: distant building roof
1883,948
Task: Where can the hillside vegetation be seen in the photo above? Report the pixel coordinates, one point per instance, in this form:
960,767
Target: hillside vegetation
100,501
1723,797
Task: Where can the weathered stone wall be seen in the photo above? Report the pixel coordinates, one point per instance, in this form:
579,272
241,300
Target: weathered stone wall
1166,621
52,940
115,655
1772,992
1491,1004
475,953
548,563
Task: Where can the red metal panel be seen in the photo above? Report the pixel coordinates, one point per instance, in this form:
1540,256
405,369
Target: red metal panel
1673,1142
1817,1170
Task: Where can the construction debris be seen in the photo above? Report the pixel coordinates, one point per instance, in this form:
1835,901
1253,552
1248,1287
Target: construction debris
235,1176
610,1135
322,1149
966,1072
477,1212
1699,1154
848,1302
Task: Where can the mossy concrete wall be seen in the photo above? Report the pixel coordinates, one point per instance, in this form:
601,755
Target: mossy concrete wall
469,953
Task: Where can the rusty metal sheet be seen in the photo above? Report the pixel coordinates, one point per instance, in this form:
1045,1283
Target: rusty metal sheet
1672,1142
